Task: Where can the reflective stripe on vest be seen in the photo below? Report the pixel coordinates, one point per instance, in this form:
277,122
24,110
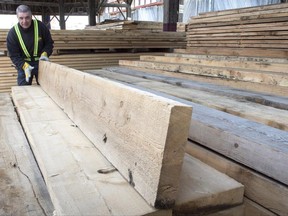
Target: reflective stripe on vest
35,53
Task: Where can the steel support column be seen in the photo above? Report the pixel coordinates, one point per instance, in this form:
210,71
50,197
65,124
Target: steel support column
92,12
46,20
62,14
170,18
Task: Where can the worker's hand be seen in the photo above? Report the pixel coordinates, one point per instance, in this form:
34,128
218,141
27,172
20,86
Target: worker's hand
27,69
44,57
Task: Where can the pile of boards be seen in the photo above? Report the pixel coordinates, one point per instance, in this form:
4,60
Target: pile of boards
234,75
8,73
134,25
107,148
238,127
71,40
261,31
102,48
239,123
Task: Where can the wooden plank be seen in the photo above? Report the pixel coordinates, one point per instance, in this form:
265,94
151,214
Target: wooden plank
280,26
254,52
263,66
270,78
125,132
252,208
235,211
232,58
23,191
79,178
239,94
239,34
204,189
259,188
235,45
239,139
256,112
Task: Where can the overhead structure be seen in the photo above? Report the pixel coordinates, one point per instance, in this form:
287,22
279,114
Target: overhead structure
62,9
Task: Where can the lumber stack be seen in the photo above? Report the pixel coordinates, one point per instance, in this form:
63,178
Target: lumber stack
3,35
117,39
250,152
134,25
257,74
110,39
256,31
227,100
8,73
79,178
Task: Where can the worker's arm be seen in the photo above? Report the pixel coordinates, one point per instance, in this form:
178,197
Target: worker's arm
46,43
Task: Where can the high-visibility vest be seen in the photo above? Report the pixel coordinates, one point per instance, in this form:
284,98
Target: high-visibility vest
35,53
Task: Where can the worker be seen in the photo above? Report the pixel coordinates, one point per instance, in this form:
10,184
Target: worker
28,42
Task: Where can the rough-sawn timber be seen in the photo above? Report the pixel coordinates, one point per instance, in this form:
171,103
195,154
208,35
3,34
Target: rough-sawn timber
160,132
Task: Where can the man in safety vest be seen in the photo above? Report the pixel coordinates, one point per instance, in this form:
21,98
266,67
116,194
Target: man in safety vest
28,42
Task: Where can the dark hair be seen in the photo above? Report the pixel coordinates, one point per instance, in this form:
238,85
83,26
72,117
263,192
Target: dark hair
23,9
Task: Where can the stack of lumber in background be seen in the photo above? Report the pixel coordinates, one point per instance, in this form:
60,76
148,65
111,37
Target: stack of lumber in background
134,25
3,36
105,48
239,97
239,126
117,39
110,39
8,73
256,31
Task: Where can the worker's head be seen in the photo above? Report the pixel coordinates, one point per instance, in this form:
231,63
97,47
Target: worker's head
24,16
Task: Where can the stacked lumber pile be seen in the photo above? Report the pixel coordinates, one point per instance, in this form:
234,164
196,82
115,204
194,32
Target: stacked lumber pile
8,74
3,35
240,121
256,31
110,39
257,74
80,179
135,25
117,39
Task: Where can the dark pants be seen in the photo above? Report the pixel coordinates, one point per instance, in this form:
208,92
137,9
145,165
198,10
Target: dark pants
21,80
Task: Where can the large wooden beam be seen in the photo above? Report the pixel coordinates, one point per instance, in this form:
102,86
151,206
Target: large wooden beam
141,134
202,188
80,180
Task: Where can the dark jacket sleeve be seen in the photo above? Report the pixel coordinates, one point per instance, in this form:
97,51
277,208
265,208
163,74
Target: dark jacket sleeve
14,49
47,41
